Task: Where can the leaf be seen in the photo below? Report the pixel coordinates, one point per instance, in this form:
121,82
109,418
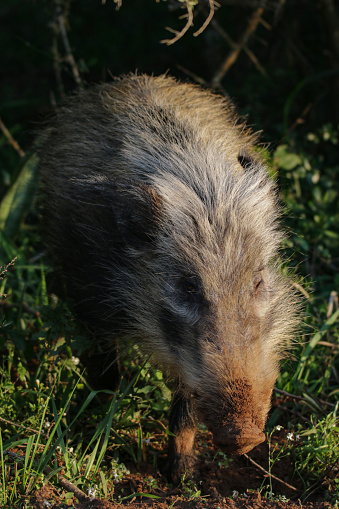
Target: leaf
285,159
19,198
103,482
332,235
21,371
302,243
313,343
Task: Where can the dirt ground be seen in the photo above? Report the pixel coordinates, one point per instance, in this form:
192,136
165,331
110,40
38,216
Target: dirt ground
235,486
254,501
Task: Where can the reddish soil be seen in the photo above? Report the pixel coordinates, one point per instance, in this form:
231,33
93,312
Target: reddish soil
254,501
216,483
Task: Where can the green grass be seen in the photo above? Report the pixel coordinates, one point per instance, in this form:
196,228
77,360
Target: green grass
55,428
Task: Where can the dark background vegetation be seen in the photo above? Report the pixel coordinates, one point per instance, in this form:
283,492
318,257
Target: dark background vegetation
296,45
282,60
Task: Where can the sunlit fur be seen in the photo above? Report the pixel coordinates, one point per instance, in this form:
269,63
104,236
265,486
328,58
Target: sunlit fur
147,155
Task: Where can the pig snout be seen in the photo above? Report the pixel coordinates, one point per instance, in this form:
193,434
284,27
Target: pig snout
238,438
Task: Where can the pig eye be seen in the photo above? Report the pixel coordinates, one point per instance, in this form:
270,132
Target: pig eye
184,295
258,285
190,290
189,286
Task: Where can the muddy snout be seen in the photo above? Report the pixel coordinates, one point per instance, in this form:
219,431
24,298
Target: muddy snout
238,438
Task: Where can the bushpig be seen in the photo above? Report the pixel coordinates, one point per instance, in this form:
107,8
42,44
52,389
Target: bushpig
162,221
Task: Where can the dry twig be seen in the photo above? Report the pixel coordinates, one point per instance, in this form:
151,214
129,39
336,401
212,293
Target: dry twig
11,140
192,75
189,15
22,426
299,416
233,55
300,398
327,343
232,44
270,475
182,32
67,46
25,307
208,19
67,485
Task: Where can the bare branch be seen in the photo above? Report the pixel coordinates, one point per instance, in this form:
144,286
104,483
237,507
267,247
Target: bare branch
21,426
63,482
231,43
68,486
189,15
67,46
270,475
208,19
300,398
11,140
180,34
327,343
193,76
232,57
25,307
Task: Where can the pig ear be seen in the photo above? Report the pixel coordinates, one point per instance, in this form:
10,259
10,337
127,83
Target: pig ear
137,211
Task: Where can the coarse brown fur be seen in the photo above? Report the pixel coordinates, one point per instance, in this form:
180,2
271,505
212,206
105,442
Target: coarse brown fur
162,221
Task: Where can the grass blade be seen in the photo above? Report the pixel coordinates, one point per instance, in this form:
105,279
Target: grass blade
313,343
19,198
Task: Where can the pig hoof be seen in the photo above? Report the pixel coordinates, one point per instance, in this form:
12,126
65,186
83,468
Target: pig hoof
180,468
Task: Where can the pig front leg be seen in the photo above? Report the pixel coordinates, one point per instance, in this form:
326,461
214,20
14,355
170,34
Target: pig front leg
182,425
